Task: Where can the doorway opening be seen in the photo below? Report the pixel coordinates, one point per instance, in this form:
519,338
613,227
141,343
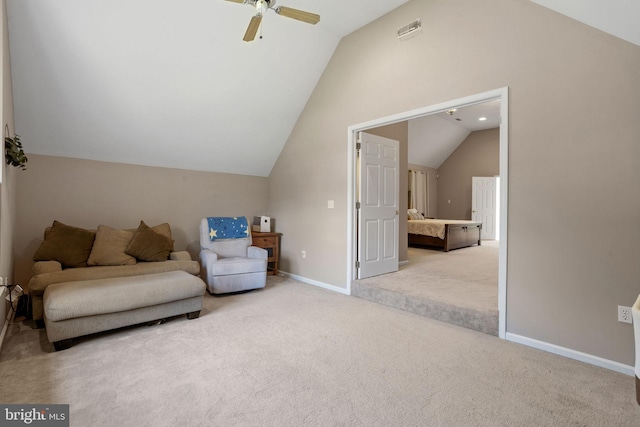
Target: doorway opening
499,94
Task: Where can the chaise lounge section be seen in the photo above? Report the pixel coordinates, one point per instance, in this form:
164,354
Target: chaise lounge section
74,309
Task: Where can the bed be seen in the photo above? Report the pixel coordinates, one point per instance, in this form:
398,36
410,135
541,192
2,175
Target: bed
447,234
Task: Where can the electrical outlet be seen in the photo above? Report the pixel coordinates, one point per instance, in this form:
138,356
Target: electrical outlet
303,254
624,314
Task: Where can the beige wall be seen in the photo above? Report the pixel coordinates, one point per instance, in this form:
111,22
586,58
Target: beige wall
573,109
432,188
7,187
87,193
399,132
477,155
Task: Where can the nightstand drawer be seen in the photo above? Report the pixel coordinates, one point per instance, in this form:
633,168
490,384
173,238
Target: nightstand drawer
264,242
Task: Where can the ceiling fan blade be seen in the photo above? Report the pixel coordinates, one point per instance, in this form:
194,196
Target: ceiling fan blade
300,15
252,29
237,1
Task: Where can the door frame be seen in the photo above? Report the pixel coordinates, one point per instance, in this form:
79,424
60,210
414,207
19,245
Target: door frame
503,95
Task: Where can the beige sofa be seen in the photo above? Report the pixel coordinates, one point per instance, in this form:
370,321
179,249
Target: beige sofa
74,309
71,254
51,272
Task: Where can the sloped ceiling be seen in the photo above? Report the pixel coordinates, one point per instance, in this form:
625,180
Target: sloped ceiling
433,138
171,83
619,17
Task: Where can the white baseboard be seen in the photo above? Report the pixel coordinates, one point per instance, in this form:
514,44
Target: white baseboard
316,283
401,263
571,354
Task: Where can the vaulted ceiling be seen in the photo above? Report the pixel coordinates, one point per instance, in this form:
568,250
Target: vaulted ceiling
433,138
619,17
172,83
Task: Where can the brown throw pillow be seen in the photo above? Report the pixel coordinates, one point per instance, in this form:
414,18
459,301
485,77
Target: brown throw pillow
165,230
109,247
70,246
149,245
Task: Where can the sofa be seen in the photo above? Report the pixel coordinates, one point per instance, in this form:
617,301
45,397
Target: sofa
74,309
71,254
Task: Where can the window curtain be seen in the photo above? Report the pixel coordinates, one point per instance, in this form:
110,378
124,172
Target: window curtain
418,192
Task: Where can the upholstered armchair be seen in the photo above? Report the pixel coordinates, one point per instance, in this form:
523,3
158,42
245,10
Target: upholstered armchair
635,314
229,262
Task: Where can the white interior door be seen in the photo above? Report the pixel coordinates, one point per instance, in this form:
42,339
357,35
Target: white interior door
485,205
379,200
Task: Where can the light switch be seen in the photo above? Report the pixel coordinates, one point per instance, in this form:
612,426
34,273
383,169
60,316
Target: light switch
330,204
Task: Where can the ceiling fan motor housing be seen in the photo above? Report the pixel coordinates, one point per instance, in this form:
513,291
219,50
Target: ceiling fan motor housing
263,5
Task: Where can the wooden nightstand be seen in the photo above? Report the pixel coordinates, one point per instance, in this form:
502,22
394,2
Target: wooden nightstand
270,242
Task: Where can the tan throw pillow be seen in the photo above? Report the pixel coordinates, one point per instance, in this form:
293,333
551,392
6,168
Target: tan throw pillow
149,245
70,246
110,246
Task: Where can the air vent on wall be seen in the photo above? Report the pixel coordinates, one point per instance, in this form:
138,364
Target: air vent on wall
410,30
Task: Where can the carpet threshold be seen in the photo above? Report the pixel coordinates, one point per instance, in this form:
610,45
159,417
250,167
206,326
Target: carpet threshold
477,320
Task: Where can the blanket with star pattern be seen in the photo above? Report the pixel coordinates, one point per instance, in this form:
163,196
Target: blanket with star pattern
228,227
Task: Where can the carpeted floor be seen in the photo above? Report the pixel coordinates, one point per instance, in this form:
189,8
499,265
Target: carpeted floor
296,355
459,287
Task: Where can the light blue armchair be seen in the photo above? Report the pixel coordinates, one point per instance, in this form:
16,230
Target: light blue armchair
229,262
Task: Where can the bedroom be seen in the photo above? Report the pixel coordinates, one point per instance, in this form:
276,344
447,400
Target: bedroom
459,147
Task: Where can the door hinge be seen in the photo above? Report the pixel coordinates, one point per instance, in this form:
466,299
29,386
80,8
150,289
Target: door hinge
357,264
358,146
357,205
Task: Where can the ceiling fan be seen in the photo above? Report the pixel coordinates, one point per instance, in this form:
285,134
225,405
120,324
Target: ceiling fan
261,8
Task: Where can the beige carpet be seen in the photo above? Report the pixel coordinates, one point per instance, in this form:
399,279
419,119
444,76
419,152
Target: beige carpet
293,355
459,287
